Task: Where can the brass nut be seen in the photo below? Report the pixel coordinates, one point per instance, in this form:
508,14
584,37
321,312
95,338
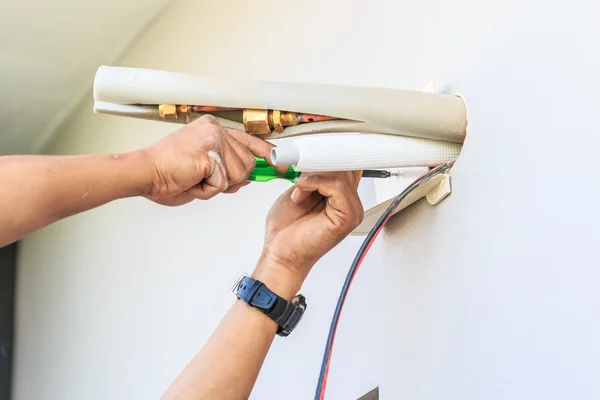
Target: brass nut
289,119
168,112
276,121
256,122
184,109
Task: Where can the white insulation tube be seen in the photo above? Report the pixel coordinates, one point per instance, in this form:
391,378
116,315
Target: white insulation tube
348,152
359,109
126,110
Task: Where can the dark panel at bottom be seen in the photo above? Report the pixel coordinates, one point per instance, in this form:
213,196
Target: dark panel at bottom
372,395
7,306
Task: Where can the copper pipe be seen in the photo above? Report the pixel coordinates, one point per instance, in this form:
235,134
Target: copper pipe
204,109
256,121
305,118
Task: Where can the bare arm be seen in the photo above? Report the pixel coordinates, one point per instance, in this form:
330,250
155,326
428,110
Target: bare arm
229,363
38,190
301,228
198,161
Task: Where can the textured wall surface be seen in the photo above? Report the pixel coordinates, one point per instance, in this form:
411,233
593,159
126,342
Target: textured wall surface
491,295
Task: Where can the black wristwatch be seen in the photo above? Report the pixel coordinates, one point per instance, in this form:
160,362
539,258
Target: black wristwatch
287,314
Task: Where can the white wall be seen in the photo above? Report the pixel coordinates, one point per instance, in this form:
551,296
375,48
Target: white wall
491,295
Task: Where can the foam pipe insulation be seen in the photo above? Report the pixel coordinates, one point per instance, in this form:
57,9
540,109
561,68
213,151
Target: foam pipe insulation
348,152
151,113
359,109
126,110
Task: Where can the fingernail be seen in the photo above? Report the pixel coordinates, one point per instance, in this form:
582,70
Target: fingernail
295,194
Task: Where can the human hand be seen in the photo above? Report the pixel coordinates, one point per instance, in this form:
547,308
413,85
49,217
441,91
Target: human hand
201,160
305,223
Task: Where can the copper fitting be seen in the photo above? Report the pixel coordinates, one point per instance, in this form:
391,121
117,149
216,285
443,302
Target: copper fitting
168,112
289,118
256,122
282,119
278,120
275,121
261,122
184,110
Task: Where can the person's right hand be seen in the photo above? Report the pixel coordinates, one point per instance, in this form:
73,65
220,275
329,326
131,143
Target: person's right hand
305,223
201,160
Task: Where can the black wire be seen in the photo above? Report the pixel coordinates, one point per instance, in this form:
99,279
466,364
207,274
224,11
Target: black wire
370,237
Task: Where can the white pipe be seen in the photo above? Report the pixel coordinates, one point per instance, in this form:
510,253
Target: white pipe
126,110
285,155
372,110
348,152
151,113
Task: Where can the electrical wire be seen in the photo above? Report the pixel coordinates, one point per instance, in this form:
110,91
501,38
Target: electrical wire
362,252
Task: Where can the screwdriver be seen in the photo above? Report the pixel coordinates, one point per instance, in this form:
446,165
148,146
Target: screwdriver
263,172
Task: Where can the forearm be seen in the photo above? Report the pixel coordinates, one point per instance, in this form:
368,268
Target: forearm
38,190
229,363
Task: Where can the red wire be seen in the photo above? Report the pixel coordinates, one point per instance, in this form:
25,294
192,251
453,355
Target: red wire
441,168
324,385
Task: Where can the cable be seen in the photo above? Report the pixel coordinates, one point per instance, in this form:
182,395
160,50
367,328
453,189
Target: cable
362,252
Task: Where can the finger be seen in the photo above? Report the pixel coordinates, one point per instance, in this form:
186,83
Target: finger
285,211
237,172
298,195
345,208
244,166
216,182
235,188
357,176
335,188
257,146
206,119
174,201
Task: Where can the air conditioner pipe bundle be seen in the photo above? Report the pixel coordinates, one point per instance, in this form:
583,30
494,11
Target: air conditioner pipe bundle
136,92
348,152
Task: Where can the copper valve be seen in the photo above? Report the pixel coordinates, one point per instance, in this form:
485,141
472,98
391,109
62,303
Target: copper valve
256,122
261,122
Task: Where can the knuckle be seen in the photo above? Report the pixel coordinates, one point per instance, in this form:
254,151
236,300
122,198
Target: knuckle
249,162
213,137
233,189
224,184
208,119
338,184
206,195
360,215
237,177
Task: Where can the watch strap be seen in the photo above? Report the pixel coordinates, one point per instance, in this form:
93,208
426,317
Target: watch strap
286,314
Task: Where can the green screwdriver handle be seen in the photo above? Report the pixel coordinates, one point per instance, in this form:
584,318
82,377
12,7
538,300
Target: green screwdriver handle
264,172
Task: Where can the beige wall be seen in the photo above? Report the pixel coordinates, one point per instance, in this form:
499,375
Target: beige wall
490,295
